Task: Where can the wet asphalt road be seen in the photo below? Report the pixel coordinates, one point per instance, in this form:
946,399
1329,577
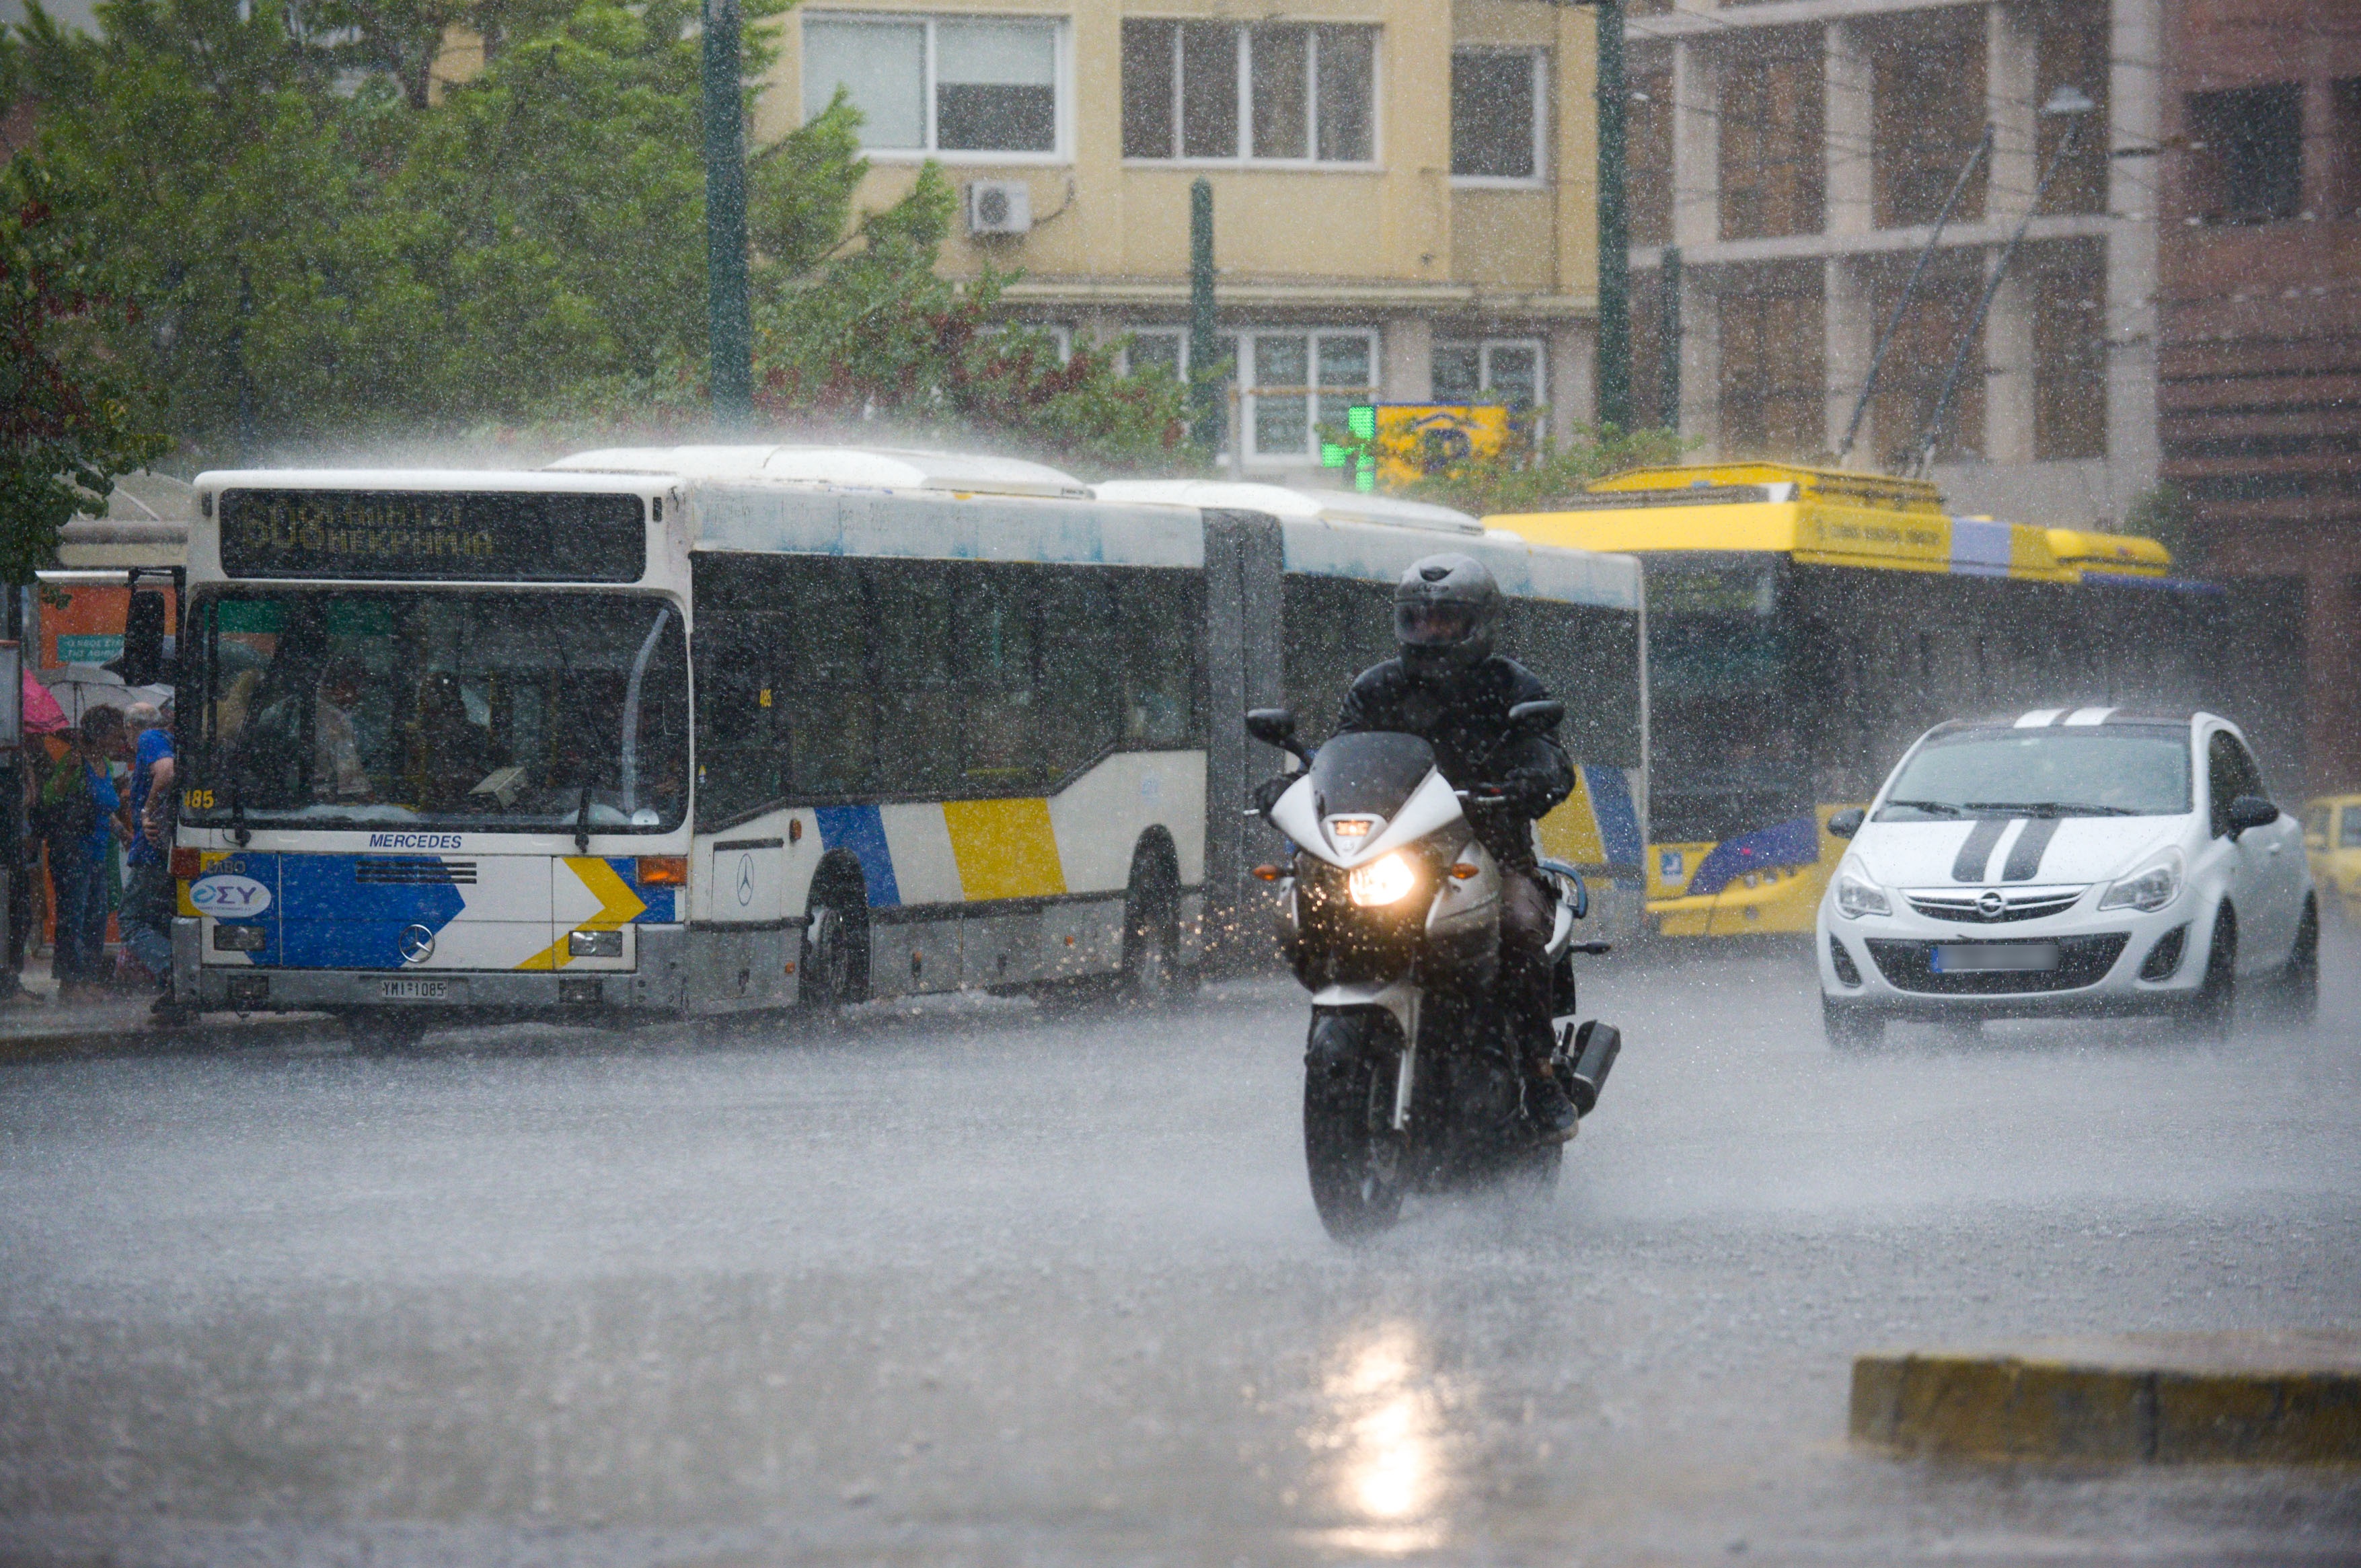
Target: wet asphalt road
978,1284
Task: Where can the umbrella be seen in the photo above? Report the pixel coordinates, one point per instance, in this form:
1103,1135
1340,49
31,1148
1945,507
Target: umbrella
42,714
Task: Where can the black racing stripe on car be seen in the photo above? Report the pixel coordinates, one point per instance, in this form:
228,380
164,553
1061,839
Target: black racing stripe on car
1976,853
2025,855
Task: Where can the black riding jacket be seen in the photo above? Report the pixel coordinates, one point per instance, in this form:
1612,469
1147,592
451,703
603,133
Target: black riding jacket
1465,716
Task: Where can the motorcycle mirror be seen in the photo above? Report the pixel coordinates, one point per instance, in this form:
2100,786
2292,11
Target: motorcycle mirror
1846,823
1276,727
1544,716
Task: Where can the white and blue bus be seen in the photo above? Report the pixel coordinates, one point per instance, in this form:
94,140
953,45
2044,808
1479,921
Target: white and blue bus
699,731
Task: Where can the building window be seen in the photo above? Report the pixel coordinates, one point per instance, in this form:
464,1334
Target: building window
1648,131
1771,144
1773,398
1499,123
2344,133
2069,350
938,85
1494,370
1259,93
1926,91
2250,148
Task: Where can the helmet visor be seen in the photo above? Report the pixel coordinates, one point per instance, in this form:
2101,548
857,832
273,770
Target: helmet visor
1433,625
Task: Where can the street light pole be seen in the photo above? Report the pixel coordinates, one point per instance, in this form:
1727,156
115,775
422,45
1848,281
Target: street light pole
730,315
2071,104
1613,374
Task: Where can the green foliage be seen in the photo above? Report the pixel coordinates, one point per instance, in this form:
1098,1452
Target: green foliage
325,248
68,419
1531,472
2162,512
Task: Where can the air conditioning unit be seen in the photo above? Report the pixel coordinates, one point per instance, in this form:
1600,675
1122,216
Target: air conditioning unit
999,206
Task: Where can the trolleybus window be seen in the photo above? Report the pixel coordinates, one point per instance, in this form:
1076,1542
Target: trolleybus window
821,677
486,710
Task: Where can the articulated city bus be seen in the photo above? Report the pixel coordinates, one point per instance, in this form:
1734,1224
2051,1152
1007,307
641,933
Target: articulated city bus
1804,625
713,730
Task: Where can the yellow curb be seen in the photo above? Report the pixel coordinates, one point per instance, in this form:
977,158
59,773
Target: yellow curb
2284,1397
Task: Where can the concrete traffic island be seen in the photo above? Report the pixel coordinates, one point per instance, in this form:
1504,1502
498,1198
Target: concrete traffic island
2276,1397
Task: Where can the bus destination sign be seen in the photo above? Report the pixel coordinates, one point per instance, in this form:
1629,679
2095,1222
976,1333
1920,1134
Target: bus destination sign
436,536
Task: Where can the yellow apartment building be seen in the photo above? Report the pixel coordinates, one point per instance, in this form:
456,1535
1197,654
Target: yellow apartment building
1402,188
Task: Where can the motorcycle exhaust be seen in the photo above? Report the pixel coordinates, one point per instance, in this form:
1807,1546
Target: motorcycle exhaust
1593,1048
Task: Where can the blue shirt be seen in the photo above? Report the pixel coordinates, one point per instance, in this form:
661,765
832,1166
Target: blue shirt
103,795
154,746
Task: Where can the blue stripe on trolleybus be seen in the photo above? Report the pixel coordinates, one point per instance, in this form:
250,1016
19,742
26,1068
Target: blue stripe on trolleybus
1618,822
861,830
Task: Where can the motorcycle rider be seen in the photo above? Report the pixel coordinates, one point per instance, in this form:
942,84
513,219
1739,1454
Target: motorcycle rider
1450,688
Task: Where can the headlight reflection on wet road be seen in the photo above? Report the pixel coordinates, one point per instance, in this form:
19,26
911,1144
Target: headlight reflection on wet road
1383,1427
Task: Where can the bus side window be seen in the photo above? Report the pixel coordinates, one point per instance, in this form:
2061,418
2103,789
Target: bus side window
1158,624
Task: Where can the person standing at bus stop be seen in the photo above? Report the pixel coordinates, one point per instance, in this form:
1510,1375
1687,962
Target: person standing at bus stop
76,813
148,898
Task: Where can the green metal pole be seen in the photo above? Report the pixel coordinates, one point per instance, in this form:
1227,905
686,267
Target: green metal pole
729,312
1614,371
1668,340
1204,345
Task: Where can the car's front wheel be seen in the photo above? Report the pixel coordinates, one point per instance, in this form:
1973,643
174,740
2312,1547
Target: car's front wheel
1852,1025
2208,1012
2295,993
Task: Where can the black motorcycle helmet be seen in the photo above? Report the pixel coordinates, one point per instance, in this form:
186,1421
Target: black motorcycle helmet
1444,610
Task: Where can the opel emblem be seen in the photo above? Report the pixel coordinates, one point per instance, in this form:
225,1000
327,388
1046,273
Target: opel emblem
417,944
1989,903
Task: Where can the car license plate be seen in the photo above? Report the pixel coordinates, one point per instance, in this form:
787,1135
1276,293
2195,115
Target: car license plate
1993,957
414,991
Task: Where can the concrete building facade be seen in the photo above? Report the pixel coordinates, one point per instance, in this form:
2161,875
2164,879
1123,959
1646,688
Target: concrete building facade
2261,348
1797,153
1403,189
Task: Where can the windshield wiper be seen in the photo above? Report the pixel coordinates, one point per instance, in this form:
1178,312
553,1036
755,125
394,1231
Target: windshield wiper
582,822
1938,808
2053,807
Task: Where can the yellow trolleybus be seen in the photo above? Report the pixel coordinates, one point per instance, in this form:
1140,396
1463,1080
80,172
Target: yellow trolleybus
1804,625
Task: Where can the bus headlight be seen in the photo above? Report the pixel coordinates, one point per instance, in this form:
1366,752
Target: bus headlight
2150,888
1387,881
1857,895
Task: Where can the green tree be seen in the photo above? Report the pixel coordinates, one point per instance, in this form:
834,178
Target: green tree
1531,472
69,423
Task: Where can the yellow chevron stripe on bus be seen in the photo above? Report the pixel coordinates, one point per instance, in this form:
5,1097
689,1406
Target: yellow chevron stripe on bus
618,905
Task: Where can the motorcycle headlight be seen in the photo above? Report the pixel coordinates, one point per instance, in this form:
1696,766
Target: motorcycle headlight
2150,888
1857,895
1385,881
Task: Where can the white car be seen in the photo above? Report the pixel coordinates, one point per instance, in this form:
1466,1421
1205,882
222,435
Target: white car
2066,862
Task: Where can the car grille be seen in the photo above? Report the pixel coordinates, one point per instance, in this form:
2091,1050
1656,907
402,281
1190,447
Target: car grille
1976,906
398,872
2082,961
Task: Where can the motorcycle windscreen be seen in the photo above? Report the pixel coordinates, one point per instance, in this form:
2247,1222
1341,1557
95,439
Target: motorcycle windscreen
1369,773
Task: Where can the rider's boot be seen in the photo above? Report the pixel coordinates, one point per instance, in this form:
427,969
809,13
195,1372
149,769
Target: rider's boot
1546,1107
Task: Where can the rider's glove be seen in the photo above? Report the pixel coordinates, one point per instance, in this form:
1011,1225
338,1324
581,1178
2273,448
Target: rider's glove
1529,790
1267,793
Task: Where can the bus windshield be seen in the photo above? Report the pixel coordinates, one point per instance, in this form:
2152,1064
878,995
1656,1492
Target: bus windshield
1727,758
2101,771
488,711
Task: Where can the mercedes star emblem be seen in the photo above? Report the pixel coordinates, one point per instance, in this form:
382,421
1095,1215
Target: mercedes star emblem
417,944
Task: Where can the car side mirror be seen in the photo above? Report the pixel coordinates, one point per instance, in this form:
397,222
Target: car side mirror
1538,717
143,641
1276,727
1846,823
2251,811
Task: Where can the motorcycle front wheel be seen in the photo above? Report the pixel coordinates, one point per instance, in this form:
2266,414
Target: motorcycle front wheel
1349,1145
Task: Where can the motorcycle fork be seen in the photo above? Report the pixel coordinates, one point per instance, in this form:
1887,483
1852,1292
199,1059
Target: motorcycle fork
1406,1072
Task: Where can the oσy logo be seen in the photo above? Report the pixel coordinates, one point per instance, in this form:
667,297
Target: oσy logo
230,897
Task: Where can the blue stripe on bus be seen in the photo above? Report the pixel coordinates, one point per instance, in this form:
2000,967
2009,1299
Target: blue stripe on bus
1795,843
863,831
1618,822
345,922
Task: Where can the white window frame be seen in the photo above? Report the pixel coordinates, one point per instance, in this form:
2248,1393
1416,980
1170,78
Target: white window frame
1536,61
1062,33
1484,348
1179,334
1250,383
1246,160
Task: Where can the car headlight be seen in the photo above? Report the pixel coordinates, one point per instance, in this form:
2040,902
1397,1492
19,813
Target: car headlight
2148,889
1387,881
1857,895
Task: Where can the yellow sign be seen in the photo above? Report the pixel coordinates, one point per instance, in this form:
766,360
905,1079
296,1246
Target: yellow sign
1414,440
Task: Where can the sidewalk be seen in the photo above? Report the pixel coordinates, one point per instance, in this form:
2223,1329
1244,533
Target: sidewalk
43,1025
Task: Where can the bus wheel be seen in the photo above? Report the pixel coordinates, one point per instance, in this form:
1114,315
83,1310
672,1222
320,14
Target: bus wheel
835,966
1151,928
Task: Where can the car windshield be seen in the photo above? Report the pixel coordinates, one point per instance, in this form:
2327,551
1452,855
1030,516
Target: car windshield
488,710
2100,771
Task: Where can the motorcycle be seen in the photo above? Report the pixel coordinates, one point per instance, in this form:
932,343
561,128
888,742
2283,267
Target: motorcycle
1390,917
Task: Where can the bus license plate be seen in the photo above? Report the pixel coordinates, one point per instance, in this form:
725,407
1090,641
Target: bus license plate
1995,957
414,991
